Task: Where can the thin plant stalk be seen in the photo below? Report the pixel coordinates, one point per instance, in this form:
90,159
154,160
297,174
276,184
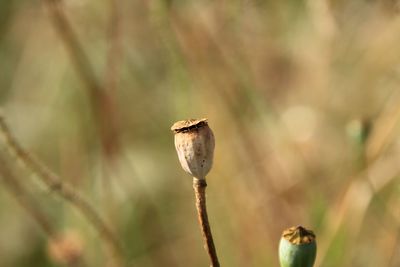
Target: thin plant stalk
77,54
64,190
25,200
102,102
31,206
115,51
199,186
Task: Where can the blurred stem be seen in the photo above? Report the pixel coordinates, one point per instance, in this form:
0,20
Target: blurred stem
68,36
114,51
25,200
114,55
32,207
384,128
199,186
54,183
103,105
160,18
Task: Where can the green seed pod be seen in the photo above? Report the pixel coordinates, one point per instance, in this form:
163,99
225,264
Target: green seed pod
297,248
194,143
359,131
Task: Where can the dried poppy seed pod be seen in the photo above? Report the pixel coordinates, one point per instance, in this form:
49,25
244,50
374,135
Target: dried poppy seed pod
297,248
194,143
66,248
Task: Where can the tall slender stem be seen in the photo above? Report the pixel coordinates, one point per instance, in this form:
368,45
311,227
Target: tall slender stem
102,101
31,205
67,192
25,200
199,186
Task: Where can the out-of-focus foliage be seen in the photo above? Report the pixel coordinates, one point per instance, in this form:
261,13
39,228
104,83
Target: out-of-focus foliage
303,98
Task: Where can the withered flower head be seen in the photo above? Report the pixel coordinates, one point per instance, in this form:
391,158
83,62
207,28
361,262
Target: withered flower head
66,248
298,235
194,143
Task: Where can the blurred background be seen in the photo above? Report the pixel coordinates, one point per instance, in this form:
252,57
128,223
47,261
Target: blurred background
303,98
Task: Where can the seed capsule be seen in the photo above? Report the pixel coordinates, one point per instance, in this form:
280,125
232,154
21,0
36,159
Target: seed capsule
194,143
297,248
66,249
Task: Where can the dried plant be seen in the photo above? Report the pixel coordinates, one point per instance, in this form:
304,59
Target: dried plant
194,143
66,249
63,249
102,101
64,190
14,186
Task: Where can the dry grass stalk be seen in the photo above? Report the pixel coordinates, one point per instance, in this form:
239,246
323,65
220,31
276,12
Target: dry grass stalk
13,185
102,101
66,249
24,199
54,183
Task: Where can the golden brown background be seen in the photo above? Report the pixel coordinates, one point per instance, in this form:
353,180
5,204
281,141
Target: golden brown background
302,96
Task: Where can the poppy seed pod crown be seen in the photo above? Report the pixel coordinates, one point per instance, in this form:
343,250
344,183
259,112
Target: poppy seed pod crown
297,248
194,143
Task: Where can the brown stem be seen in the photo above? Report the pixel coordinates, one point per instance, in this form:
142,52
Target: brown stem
114,54
55,183
24,198
199,186
77,54
102,102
